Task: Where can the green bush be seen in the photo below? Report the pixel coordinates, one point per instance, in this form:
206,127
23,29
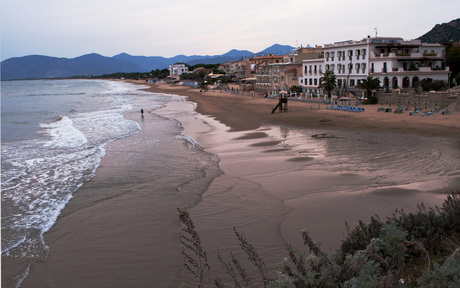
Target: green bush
420,249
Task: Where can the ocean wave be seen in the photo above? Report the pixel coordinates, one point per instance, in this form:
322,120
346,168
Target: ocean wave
64,134
191,141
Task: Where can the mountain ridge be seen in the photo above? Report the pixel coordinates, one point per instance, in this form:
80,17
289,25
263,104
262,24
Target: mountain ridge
41,66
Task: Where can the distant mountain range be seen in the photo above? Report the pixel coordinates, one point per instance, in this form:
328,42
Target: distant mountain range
39,67
442,33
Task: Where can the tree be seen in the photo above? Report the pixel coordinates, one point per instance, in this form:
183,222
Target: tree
328,82
369,84
453,61
297,89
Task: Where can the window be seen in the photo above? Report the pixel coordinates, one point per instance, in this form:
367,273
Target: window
363,67
332,67
357,66
310,81
363,53
352,82
316,81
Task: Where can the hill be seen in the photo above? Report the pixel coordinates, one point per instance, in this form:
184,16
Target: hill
443,33
39,66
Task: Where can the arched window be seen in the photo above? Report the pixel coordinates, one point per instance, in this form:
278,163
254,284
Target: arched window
406,83
415,82
363,67
394,82
332,67
357,66
363,53
386,82
327,67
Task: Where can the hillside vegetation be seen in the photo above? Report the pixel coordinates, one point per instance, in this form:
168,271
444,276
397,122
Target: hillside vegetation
442,33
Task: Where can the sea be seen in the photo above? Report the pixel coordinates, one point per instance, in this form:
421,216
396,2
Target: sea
52,141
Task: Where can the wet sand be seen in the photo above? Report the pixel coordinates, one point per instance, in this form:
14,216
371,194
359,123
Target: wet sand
262,193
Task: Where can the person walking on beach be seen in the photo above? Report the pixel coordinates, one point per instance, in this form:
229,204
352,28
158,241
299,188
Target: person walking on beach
142,112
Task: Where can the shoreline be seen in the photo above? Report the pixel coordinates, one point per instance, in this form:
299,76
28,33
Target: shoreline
247,196
242,112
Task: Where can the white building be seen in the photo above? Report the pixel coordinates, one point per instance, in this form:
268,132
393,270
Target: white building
396,62
177,69
311,69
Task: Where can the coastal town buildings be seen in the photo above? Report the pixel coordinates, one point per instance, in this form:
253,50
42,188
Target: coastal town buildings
274,73
397,63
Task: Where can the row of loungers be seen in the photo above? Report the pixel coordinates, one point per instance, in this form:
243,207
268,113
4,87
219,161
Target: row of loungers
417,111
345,108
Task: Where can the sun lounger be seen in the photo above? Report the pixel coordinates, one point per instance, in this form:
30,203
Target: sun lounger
446,112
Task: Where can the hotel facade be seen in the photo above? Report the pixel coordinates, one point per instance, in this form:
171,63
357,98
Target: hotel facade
395,62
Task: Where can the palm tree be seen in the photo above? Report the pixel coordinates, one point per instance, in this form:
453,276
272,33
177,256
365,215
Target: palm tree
369,84
328,82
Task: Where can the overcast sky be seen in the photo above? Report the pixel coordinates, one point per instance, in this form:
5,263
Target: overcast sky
71,28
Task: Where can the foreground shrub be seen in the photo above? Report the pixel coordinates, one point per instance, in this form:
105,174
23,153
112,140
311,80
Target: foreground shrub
420,249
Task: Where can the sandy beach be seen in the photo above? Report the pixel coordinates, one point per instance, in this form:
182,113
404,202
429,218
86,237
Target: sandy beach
281,173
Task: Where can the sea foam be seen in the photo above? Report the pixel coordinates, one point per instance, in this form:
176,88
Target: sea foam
64,134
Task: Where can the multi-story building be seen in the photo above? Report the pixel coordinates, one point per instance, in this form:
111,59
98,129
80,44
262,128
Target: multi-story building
264,73
395,62
312,70
303,53
177,69
282,76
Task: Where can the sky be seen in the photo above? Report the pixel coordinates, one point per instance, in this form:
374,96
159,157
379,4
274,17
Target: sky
70,28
